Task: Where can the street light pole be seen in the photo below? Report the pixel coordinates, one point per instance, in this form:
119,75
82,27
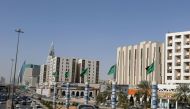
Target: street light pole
19,31
12,60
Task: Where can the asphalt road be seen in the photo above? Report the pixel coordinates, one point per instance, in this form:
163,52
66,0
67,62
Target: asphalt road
3,106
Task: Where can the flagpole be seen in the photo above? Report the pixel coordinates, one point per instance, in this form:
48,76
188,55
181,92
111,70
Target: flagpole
154,73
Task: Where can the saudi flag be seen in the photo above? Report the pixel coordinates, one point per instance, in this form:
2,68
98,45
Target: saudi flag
66,74
112,70
150,68
84,72
55,74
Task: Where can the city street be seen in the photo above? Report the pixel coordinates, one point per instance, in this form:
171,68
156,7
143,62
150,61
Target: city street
3,106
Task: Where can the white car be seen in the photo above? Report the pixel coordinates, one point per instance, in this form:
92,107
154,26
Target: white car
2,102
18,106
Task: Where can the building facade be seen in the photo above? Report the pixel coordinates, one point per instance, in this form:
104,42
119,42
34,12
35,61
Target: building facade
68,65
43,72
132,61
74,67
31,75
53,70
177,57
92,75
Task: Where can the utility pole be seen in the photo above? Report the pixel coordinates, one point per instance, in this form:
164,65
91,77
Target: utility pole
54,96
19,31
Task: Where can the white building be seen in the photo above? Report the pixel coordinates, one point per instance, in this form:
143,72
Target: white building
43,71
132,61
177,57
53,68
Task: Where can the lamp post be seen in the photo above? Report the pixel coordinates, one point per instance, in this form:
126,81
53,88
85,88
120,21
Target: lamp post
12,60
19,31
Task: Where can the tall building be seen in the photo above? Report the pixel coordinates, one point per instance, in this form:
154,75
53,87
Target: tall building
53,70
21,73
177,57
132,61
74,66
31,75
92,72
43,72
68,65
2,80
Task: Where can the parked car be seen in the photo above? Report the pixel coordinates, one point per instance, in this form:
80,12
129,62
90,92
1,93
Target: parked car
86,106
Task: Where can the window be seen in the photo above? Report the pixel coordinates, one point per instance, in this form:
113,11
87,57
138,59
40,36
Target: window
169,77
178,36
186,77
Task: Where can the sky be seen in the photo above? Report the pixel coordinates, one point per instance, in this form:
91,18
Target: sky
89,29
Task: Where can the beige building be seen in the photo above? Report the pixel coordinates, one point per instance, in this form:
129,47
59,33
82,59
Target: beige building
65,64
92,73
132,61
74,66
68,65
177,57
43,72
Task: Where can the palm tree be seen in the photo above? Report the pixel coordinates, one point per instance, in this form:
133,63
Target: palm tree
102,97
122,100
144,91
182,94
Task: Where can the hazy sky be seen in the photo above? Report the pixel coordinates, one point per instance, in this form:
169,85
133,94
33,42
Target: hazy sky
91,29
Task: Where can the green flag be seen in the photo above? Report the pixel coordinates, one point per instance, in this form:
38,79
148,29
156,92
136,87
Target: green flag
66,74
112,70
84,72
150,68
55,74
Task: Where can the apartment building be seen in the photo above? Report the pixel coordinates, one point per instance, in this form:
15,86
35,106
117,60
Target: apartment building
53,70
93,70
43,72
73,66
177,57
132,61
68,65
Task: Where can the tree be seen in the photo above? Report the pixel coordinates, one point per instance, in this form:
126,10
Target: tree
122,100
182,94
144,91
101,97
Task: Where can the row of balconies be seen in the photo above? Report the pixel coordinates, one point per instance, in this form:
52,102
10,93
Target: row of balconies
185,43
178,60
178,39
186,70
178,78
